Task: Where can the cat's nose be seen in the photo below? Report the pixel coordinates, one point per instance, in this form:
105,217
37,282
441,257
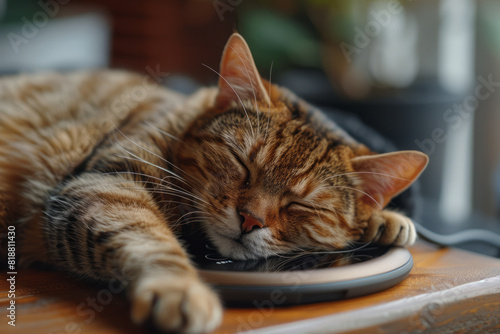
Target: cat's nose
249,222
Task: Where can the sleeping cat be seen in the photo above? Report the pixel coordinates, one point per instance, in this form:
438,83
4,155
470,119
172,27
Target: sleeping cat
99,171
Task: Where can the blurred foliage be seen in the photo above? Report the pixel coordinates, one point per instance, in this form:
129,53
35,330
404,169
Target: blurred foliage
17,9
489,25
300,34
278,38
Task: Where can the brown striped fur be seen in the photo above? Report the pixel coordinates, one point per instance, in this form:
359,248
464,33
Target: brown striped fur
94,167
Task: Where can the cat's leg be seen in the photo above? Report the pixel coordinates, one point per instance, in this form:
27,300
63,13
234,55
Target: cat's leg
106,227
388,227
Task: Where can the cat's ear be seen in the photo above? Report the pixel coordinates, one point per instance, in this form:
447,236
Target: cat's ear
239,79
384,176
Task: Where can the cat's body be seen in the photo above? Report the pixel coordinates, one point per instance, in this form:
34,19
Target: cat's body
98,170
55,126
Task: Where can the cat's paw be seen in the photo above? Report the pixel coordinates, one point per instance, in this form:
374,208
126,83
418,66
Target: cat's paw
389,228
180,304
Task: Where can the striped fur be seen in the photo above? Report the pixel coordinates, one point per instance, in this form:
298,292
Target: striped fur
100,170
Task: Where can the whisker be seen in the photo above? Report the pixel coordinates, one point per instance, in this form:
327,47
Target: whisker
138,159
298,252
361,191
164,159
158,156
193,206
382,174
163,132
269,109
145,149
177,188
251,84
342,251
189,221
315,209
167,191
144,175
239,99
187,214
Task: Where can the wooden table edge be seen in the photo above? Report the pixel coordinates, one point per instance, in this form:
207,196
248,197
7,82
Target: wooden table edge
487,290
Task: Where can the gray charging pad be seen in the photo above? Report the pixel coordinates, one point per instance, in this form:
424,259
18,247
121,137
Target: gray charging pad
306,278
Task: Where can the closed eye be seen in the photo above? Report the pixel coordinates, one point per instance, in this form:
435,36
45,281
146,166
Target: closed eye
306,206
246,182
298,205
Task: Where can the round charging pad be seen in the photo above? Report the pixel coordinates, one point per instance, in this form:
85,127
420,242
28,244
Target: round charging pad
306,278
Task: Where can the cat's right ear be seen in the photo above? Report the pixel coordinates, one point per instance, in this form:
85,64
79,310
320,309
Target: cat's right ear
384,176
239,79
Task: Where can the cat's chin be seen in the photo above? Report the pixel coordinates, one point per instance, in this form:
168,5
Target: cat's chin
233,248
237,251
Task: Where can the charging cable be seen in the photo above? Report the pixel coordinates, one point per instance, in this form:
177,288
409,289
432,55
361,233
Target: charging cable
473,235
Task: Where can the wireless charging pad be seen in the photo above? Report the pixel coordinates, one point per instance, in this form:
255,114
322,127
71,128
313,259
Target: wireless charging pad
306,278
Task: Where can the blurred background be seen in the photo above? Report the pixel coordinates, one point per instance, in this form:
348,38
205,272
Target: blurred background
424,74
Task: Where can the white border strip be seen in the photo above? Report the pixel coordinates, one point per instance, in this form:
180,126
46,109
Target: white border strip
385,313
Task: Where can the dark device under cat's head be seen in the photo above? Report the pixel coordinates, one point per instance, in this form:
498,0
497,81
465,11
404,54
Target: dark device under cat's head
299,278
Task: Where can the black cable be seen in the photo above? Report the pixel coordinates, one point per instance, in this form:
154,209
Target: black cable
473,235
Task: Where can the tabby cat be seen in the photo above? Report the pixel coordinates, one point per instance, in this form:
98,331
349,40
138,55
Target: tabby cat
99,171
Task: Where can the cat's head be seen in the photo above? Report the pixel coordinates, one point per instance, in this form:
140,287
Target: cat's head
270,175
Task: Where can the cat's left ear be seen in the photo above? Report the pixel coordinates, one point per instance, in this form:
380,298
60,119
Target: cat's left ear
239,79
384,176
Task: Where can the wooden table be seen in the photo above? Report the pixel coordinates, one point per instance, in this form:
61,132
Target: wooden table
448,291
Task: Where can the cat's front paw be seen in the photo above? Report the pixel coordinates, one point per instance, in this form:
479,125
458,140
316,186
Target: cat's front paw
389,228
177,304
